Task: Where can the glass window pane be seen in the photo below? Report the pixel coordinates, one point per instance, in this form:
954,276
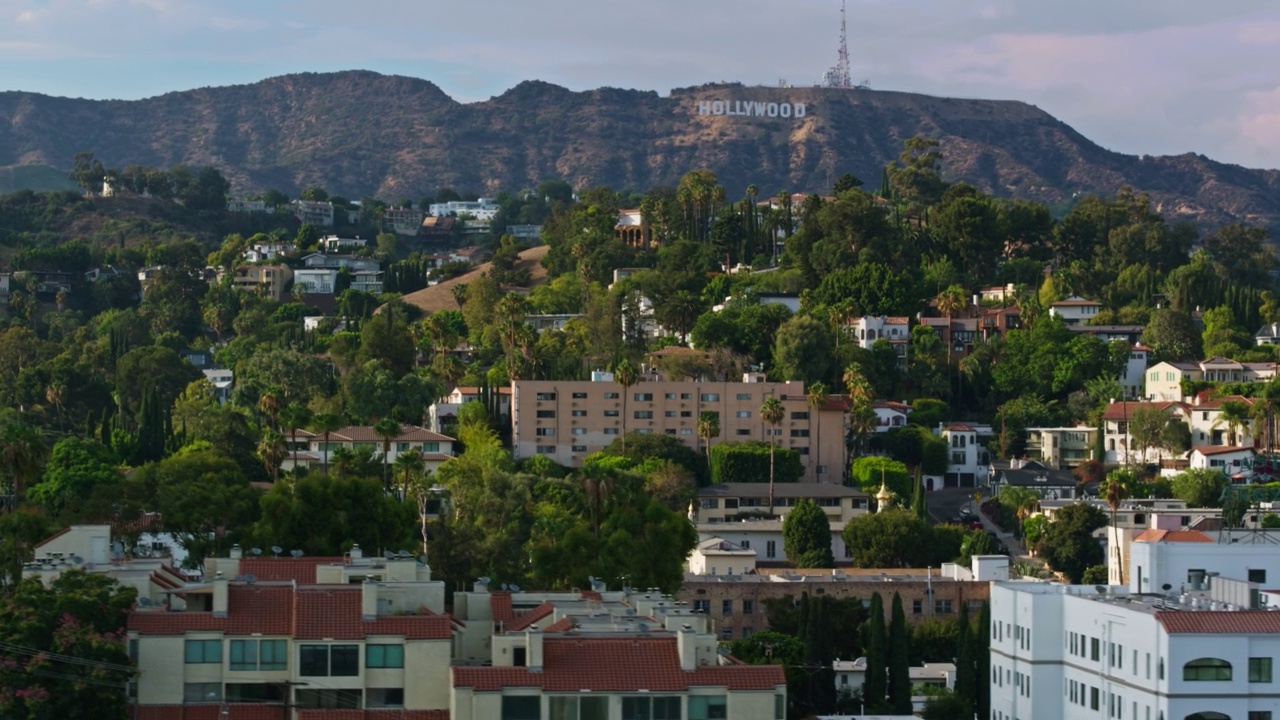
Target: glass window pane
563,708
344,660
593,708
313,660
272,655
522,708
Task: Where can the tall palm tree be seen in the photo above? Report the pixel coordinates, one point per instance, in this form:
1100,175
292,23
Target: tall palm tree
269,405
708,428
626,375
325,424
271,452
950,301
387,430
56,395
408,465
772,412
816,398
1116,490
22,450
862,414
1234,415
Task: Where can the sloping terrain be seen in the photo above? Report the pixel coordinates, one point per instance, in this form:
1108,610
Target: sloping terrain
440,297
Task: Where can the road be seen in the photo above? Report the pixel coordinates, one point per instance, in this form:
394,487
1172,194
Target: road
946,503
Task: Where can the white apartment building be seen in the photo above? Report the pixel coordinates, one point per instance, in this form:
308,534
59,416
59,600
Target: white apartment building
1075,310
1164,380
481,209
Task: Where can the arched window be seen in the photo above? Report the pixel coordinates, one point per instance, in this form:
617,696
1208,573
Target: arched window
1208,715
1206,669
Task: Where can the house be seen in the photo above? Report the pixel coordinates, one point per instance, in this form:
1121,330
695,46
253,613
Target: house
525,232
1075,310
1117,439
968,461
996,321
1045,481
369,281
1164,380
102,274
470,255
1133,376
315,280
714,556
221,379
763,537
1211,424
1232,461
263,634
6,282
569,420
957,334
1268,334
244,205
1061,448
350,262
1131,334
199,358
996,294
313,452
444,411
267,251
309,212
480,209
542,323
867,330
404,221
631,229
787,300
725,502
269,281
926,679
331,244
890,414
437,228
314,323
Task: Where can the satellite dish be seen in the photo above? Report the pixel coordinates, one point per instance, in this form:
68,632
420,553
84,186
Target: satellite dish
250,579
1102,589
255,551
403,554
388,554
483,580
296,553
515,588
504,586
276,549
76,560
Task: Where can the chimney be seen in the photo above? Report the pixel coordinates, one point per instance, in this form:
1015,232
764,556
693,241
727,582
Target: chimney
219,596
687,646
533,650
369,599
236,553
356,553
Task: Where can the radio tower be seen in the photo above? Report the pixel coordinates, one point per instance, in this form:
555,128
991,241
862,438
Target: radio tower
838,76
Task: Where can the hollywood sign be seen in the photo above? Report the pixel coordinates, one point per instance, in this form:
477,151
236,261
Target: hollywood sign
751,108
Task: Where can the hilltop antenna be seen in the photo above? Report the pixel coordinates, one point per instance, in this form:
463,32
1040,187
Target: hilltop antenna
839,76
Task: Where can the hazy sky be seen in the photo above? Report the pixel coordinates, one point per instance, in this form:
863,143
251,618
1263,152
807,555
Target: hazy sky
1137,76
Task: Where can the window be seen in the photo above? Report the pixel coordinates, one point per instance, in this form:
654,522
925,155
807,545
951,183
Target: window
660,707
329,660
800,433
917,607
386,697
709,397
330,699
779,707
686,413
546,414
1093,698
1257,576
579,396
611,396
203,652
1206,669
1095,648
800,415
941,607
258,654
643,414
1259,715
579,448
578,413
384,656
1260,670
669,396
686,396
704,707
744,431
202,692
748,607
643,397
686,431
744,396
551,449
611,431
726,607
546,396
611,413
522,707
431,447
702,606
743,414
578,431
669,413
770,548
255,692
578,708
545,432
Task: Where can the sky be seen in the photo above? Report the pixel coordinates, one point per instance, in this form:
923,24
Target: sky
1148,77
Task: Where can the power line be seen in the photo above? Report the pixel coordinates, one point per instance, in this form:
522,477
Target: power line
70,659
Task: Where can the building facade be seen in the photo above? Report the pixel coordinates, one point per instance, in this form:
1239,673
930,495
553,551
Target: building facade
569,420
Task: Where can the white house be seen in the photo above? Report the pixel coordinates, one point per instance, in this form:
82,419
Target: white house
714,556
1117,440
868,329
1209,426
313,453
1230,460
1268,334
1133,376
481,209
445,410
764,538
336,244
890,414
315,280
968,461
1164,380
1075,310
221,379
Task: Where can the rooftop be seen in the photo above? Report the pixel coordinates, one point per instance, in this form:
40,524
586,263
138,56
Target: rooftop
780,490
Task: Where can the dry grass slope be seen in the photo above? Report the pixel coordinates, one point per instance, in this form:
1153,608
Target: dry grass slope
440,297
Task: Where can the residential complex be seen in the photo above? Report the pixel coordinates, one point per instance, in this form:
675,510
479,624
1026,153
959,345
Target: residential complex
569,420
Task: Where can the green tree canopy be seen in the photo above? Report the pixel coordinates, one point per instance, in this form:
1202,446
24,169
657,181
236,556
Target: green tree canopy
806,536
888,539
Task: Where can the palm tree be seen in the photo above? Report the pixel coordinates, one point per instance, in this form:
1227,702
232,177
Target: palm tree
22,450
325,424
626,375
56,395
408,465
816,398
1022,500
271,452
708,428
1116,490
269,405
772,412
388,430
1234,414
862,414
295,417
950,301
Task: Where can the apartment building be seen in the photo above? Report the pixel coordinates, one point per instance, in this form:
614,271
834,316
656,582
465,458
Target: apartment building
270,281
569,420
724,502
896,331
1075,310
1061,448
313,452
1164,380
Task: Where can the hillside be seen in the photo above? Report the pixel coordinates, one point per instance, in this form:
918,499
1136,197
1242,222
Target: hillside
440,297
358,133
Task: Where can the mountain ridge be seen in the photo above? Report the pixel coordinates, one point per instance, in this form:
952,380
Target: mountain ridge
359,132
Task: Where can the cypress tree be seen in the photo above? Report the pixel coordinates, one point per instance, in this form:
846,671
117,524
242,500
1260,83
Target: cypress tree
873,688
918,505
899,660
964,659
980,648
821,675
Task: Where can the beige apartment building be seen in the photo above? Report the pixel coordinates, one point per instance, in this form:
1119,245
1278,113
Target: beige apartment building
569,420
270,281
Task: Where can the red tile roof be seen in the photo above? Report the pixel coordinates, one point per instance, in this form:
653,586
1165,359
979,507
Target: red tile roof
1216,403
266,609
1123,411
563,624
1243,622
1220,449
615,664
235,711
1183,536
300,570
525,619
500,607
53,537
408,433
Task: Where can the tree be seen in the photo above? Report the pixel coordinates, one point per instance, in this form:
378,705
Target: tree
816,399
387,430
803,349
806,536
293,418
708,428
64,648
326,424
272,452
22,451
643,449
1200,487
951,301
1068,544
626,375
899,660
876,645
1023,501
890,538
1234,415
76,467
1172,335
1117,488
326,515
772,412
152,368
1145,424
869,472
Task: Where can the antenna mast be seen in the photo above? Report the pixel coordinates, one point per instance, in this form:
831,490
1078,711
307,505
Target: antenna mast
839,75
